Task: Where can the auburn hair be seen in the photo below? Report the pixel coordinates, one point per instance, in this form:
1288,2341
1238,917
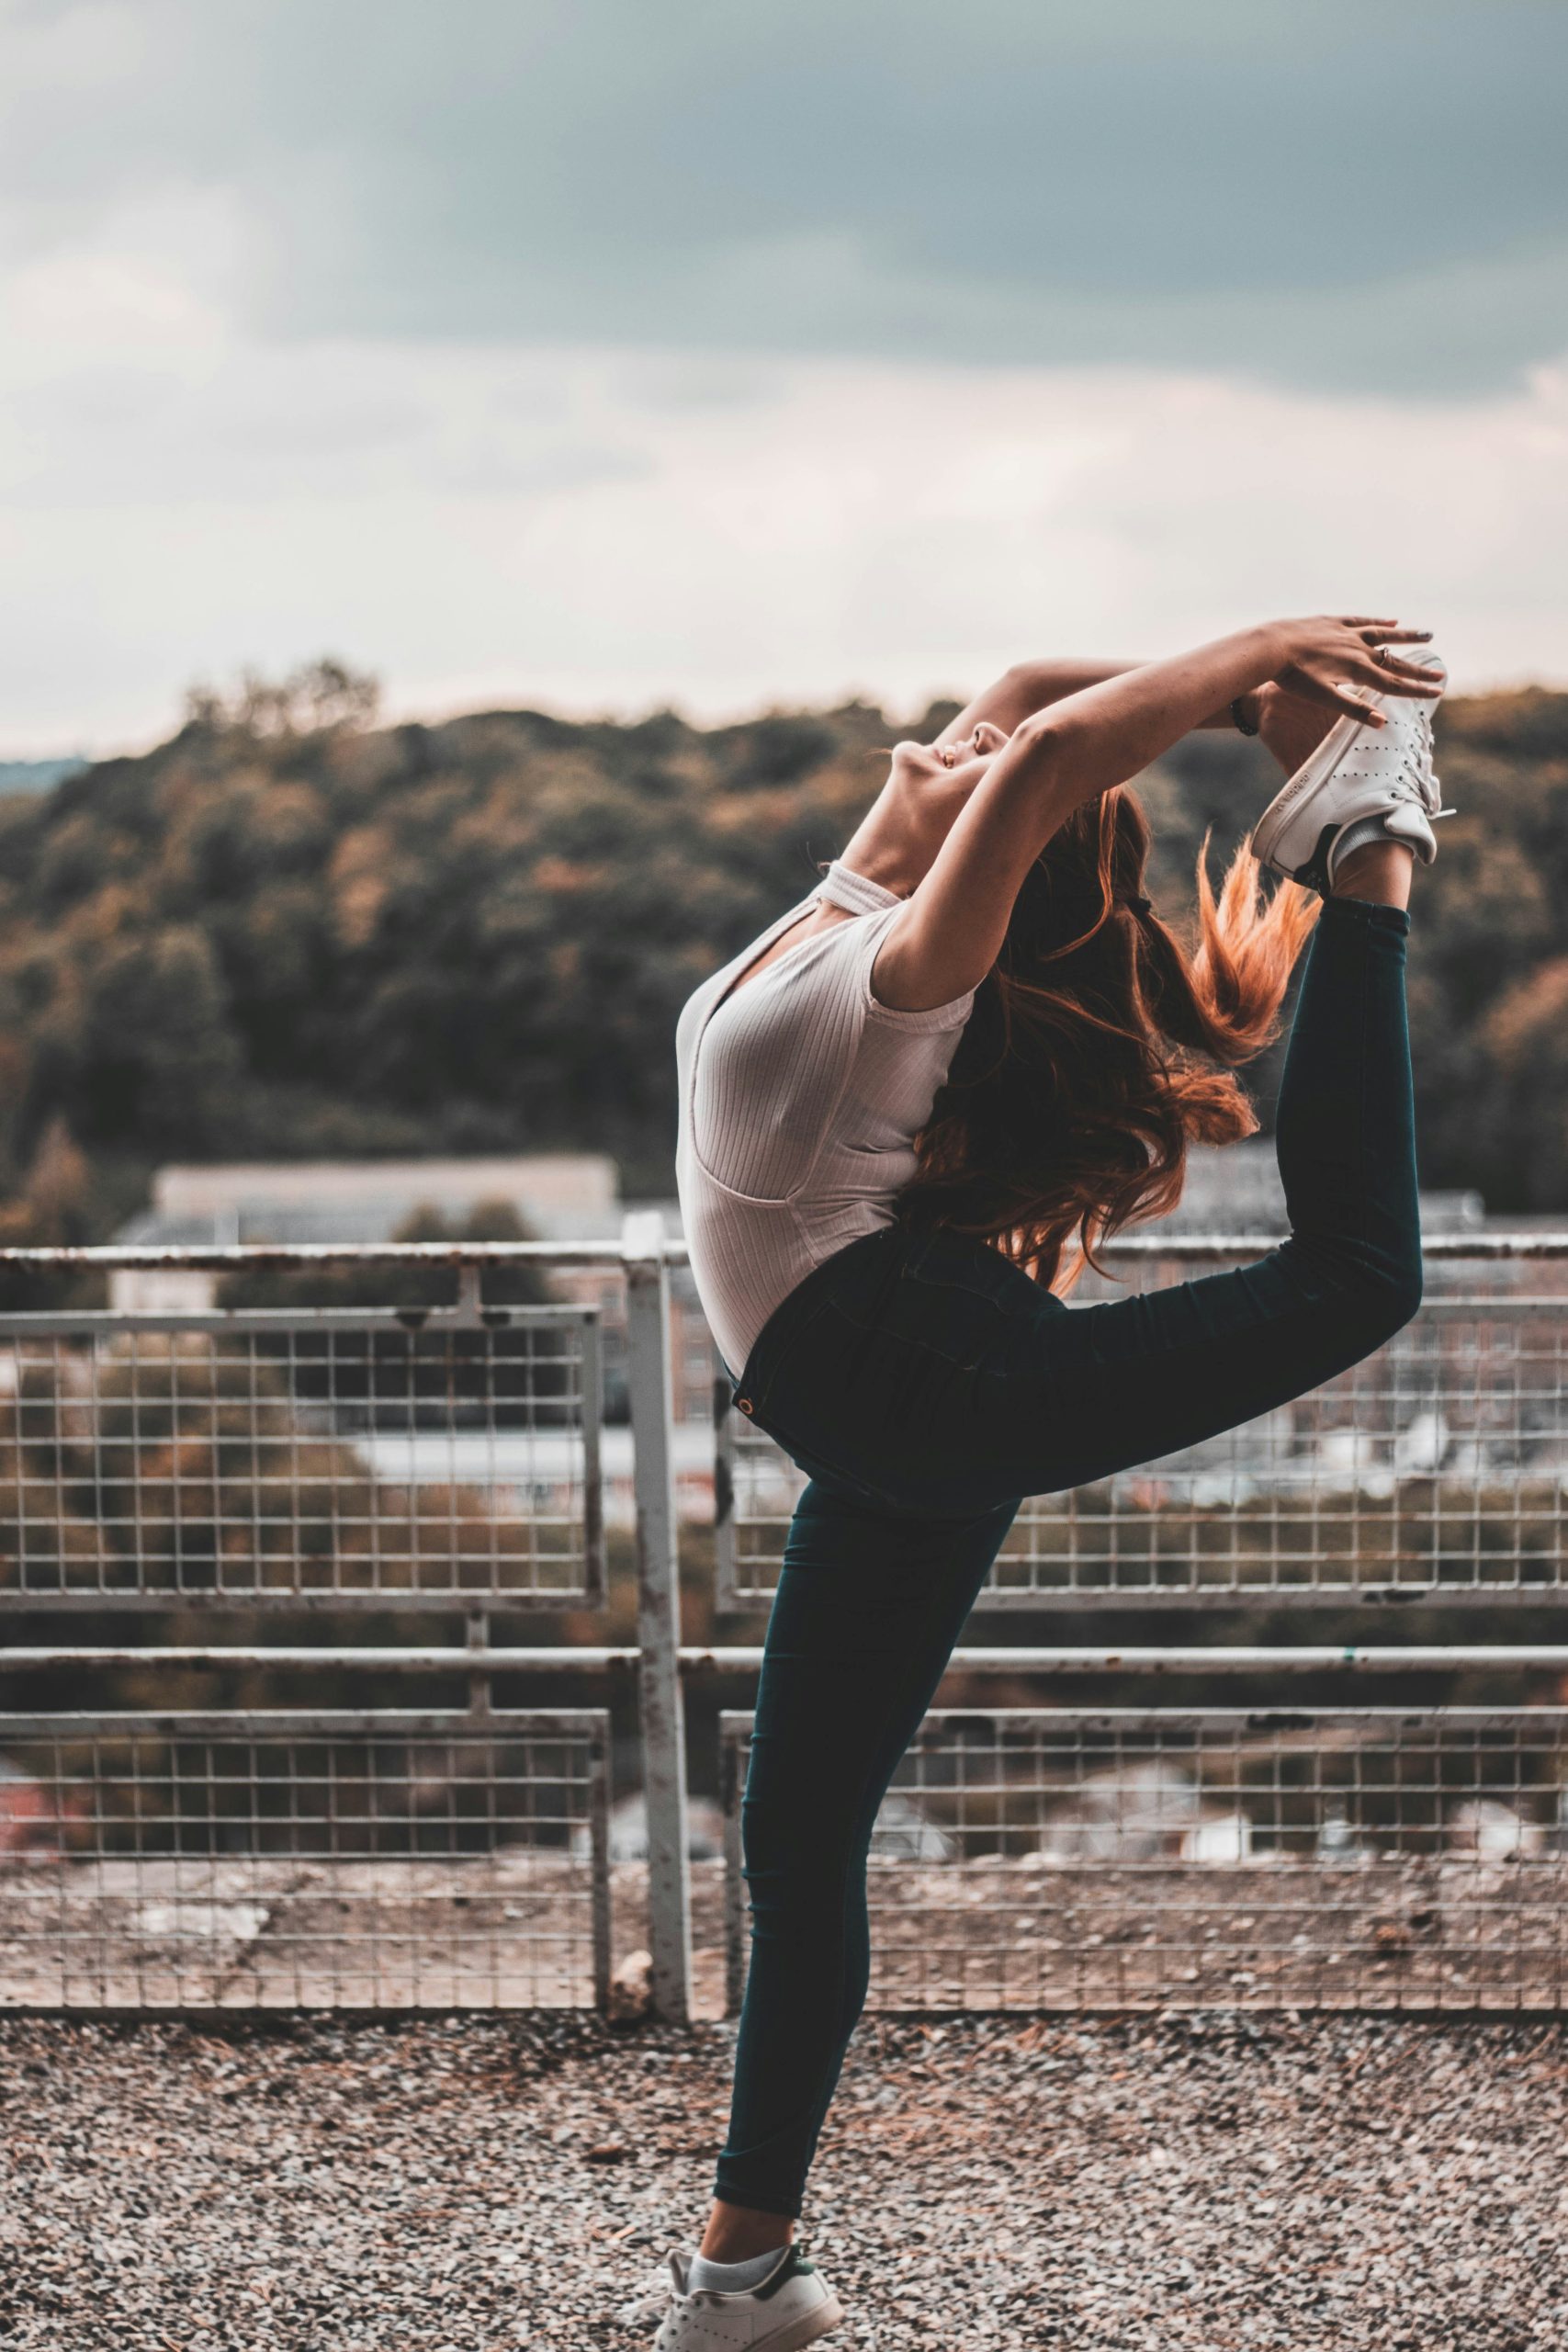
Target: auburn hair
1102,1045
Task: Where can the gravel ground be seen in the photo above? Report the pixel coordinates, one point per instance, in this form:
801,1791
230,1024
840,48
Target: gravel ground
479,2186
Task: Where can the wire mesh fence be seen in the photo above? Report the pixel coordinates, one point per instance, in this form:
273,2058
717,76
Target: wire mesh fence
313,1458
1375,1859
318,1457
1439,1465
371,1860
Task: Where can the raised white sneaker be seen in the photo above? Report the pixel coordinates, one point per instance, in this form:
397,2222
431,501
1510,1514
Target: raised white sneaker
792,2306
1356,772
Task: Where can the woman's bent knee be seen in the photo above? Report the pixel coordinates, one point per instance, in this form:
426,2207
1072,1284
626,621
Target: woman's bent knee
1387,1295
1367,1293
1405,1303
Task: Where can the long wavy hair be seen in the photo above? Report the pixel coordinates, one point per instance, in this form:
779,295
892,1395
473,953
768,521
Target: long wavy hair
1102,1045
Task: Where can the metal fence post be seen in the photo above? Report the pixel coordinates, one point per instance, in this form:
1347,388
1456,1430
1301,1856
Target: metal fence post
662,1716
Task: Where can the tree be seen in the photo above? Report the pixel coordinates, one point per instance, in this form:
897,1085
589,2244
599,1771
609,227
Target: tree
1524,1096
289,932
314,699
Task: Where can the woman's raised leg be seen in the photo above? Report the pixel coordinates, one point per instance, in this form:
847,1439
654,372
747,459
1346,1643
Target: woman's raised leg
1104,1389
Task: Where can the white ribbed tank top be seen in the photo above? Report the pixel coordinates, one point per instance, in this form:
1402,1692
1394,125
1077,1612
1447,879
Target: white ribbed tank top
800,1100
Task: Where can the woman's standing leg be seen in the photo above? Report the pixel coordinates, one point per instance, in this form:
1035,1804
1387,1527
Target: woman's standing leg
868,1608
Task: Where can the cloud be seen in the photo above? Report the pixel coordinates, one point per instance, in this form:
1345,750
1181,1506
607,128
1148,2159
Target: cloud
1338,198
601,353
536,528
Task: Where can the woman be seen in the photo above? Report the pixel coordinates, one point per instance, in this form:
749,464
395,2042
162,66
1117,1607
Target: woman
910,1109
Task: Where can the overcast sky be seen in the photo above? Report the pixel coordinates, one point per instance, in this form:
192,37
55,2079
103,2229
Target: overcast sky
613,353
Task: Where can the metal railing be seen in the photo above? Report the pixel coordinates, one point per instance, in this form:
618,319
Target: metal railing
311,1859
1372,1858
451,1460
326,1458
292,1464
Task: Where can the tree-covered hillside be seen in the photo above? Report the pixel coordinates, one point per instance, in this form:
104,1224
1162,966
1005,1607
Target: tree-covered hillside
288,930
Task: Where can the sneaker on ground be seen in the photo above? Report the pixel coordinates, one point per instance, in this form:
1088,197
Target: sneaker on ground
1357,773
793,2307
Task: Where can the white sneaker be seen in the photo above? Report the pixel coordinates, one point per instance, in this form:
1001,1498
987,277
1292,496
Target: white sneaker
792,2306
1356,772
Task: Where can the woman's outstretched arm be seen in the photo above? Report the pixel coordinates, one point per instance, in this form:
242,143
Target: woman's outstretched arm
1030,687
947,936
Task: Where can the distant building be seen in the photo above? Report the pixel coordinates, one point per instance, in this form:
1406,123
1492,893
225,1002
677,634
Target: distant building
558,1196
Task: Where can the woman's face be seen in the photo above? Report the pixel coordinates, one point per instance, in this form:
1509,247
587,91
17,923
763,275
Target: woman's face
930,782
933,761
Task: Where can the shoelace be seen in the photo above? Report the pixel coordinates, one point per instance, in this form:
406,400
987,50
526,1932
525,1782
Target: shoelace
1415,779
652,2299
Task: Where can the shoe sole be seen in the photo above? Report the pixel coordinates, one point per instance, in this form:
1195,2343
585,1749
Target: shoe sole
1309,777
804,2330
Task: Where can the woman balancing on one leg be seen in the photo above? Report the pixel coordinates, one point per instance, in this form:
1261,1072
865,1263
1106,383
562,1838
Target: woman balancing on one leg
972,1051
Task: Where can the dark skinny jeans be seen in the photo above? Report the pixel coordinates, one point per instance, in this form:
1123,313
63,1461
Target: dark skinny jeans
926,1386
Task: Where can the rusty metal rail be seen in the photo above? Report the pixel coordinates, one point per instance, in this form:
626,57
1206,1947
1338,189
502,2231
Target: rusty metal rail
447,1461
1208,1248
